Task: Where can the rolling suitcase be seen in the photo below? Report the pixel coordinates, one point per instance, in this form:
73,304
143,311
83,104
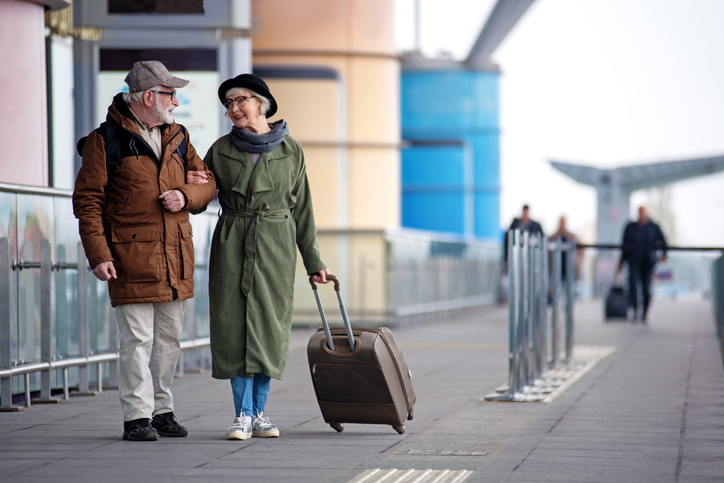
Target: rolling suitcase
359,374
616,303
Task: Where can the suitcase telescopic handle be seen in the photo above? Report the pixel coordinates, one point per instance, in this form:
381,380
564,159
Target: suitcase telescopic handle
342,309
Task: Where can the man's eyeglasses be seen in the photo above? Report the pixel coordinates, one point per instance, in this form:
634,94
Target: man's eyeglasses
239,101
172,94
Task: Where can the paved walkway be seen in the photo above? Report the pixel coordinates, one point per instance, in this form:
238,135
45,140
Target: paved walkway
652,411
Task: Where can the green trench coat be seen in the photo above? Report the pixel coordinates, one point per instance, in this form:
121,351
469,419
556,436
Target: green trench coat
266,214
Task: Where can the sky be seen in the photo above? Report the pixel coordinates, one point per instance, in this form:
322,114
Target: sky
605,83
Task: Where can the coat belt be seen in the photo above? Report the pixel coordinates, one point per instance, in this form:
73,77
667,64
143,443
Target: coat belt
247,275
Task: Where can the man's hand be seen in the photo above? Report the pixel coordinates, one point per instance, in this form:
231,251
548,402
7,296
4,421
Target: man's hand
320,276
105,271
173,200
196,177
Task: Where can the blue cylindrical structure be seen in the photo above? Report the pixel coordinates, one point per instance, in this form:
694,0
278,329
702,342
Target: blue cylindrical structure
451,162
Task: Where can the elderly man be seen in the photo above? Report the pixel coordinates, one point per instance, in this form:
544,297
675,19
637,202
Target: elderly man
642,239
133,205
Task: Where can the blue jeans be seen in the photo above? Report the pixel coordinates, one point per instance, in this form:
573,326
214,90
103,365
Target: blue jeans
250,394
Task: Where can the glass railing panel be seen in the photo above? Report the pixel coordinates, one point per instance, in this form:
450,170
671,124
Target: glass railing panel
35,223
66,279
203,226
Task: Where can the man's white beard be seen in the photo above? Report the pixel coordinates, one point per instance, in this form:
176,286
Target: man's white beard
162,114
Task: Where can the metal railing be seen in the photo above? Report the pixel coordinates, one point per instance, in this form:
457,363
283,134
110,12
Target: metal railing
47,362
55,318
530,354
402,276
530,279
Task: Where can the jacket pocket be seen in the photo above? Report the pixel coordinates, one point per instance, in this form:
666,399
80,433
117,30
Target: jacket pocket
187,251
137,253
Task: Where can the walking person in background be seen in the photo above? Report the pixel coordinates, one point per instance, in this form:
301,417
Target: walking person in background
266,215
133,216
562,234
642,240
524,223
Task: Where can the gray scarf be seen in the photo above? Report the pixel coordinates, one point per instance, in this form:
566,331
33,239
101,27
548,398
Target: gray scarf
249,142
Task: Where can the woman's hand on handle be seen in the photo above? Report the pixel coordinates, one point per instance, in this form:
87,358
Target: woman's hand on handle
321,276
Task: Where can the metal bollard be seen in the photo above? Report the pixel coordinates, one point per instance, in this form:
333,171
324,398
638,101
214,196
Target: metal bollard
543,310
532,311
570,295
523,326
539,308
513,308
528,356
555,303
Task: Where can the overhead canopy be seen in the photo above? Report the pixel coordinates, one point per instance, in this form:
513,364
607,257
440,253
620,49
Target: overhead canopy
502,19
643,176
614,187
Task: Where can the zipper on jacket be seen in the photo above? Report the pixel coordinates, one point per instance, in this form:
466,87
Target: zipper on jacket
138,137
133,146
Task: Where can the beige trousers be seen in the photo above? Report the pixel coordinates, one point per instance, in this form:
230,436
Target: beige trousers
150,345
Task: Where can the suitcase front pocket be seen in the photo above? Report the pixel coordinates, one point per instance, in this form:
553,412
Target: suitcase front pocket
350,384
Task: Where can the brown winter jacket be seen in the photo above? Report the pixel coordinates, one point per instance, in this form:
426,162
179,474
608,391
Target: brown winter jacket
125,222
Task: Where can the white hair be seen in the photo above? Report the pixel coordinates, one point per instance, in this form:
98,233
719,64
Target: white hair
265,104
136,98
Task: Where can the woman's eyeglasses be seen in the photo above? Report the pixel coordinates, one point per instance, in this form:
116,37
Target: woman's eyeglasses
239,101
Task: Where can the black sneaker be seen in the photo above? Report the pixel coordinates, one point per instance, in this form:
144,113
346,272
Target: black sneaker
166,425
139,430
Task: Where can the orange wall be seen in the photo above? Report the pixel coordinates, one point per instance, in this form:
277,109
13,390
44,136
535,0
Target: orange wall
356,39
23,114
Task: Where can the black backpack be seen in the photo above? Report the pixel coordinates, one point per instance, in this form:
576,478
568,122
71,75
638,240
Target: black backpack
111,133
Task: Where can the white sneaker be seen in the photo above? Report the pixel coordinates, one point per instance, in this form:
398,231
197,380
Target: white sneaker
241,429
263,428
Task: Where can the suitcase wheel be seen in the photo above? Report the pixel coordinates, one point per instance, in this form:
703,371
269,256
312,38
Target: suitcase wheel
339,427
411,414
400,428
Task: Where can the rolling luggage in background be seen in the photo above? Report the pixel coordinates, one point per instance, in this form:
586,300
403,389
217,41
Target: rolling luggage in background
616,303
359,374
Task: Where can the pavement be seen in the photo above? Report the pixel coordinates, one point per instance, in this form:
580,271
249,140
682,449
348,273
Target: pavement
650,411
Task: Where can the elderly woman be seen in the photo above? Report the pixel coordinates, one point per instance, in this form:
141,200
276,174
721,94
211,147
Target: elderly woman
266,215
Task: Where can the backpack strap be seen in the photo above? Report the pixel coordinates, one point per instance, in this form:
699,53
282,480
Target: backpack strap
113,147
181,149
109,131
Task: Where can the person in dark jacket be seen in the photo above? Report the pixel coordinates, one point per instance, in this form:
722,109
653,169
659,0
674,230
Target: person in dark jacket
134,225
266,216
524,223
642,243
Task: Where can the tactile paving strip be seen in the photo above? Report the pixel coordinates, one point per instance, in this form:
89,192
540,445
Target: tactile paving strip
558,379
394,475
